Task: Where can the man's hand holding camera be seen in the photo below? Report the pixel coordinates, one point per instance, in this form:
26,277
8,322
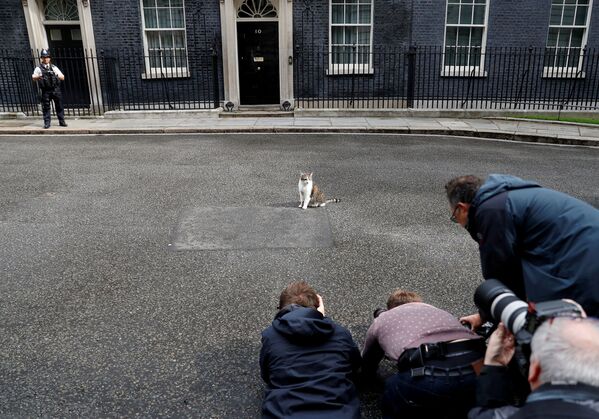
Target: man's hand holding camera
500,348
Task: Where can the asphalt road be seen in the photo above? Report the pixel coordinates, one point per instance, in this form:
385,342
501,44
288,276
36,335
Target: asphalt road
127,290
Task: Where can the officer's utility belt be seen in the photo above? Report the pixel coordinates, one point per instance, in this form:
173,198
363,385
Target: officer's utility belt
442,358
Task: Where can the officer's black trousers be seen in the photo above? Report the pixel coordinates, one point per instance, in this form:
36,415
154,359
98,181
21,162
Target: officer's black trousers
56,96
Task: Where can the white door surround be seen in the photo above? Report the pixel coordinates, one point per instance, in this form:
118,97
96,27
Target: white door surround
35,20
229,19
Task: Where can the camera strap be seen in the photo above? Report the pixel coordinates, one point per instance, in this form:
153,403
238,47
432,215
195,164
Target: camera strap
418,357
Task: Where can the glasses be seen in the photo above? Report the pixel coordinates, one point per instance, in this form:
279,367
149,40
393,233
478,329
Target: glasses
452,218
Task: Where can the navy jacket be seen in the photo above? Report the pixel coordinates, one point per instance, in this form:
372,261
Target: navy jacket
308,363
541,243
494,396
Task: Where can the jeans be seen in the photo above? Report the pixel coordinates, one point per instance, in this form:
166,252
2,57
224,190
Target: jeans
428,396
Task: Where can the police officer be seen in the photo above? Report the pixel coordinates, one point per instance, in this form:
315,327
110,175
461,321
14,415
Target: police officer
48,77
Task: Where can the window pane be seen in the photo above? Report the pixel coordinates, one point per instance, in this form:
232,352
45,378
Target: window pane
365,14
153,40
570,2
552,38
352,14
162,3
181,59
453,12
179,39
568,18
167,39
581,15
451,36
462,57
463,37
364,35
476,39
556,15
149,3
563,38
177,16
176,3
363,55
466,15
479,15
449,56
154,59
164,18
150,18
337,34
576,41
351,35
168,59
337,14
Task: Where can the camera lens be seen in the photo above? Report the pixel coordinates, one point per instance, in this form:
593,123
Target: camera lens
498,302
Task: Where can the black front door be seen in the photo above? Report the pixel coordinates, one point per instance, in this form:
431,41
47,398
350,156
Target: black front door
66,48
258,52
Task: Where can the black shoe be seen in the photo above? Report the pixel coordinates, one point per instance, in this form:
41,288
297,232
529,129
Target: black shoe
46,126
63,124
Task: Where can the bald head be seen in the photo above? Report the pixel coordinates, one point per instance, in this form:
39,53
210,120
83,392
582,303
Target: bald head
567,351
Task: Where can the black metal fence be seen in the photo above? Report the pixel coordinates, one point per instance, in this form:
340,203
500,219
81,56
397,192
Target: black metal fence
435,78
113,80
418,77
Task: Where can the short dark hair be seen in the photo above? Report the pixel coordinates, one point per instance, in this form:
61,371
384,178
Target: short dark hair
299,292
462,189
399,297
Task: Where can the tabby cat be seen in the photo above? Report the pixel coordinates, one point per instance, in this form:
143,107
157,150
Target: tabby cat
310,193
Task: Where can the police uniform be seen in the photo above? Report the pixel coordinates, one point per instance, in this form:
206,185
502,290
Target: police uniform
48,78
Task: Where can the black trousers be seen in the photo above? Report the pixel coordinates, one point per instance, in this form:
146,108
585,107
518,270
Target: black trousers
56,96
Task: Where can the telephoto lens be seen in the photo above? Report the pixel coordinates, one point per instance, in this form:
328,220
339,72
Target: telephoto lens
498,302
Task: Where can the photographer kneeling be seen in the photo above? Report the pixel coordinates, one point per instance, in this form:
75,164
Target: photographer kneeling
563,372
436,358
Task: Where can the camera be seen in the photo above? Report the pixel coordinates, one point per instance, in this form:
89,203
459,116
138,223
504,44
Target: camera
497,302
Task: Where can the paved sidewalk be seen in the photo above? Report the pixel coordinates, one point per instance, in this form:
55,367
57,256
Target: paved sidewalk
189,122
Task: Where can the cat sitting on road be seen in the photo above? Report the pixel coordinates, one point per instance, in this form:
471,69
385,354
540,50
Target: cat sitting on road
310,193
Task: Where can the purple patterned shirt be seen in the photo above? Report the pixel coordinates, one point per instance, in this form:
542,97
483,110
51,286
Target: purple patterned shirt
410,325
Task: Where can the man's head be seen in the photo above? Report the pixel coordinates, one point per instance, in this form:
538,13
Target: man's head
460,194
299,292
399,297
45,56
565,350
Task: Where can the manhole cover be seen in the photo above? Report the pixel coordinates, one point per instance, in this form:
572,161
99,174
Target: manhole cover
252,228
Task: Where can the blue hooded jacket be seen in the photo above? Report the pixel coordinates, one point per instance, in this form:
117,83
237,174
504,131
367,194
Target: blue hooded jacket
541,243
308,363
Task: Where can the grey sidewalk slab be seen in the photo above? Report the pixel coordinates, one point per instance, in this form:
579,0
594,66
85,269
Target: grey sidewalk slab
500,128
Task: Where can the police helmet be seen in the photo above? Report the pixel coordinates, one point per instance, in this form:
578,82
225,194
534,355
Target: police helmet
44,53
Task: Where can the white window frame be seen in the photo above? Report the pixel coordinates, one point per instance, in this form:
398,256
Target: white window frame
163,72
569,71
340,69
469,70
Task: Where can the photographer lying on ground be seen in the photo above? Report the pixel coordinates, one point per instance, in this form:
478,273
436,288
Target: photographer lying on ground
541,243
435,355
308,361
563,373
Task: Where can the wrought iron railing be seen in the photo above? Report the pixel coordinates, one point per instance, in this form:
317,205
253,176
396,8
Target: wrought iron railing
423,77
112,80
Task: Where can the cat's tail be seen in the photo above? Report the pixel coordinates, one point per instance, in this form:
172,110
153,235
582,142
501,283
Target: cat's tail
332,200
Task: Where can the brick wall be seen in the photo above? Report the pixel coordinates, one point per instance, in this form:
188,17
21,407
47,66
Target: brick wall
14,27
118,34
